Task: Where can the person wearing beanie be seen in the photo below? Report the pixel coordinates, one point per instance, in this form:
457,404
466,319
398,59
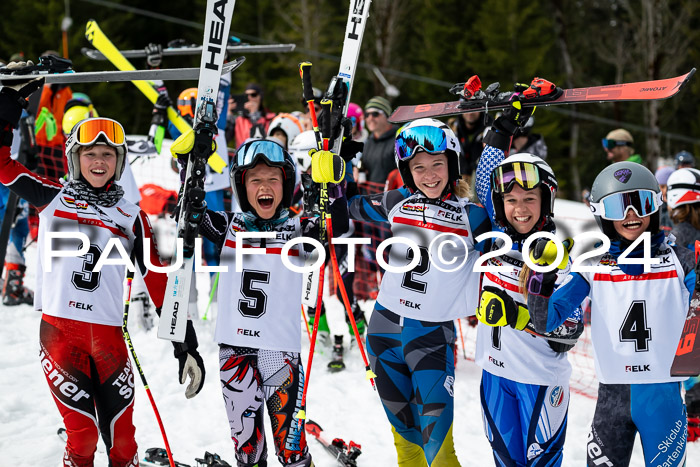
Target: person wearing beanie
619,146
662,174
378,156
250,122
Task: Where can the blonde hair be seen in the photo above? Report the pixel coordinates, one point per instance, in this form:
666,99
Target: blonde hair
462,188
522,280
687,213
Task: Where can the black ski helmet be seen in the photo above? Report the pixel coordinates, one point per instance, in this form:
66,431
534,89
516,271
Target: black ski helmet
622,177
529,172
269,152
431,136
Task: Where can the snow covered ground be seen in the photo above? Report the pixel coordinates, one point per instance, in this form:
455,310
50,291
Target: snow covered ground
344,404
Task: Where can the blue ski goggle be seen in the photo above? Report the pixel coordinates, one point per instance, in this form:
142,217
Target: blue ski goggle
612,144
428,138
614,207
249,152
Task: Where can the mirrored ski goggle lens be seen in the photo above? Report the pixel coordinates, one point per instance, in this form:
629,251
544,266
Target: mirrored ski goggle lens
611,143
89,130
429,138
249,151
615,206
524,174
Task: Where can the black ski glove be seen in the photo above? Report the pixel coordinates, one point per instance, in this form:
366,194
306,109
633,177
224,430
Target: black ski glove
190,362
154,55
160,109
13,97
512,118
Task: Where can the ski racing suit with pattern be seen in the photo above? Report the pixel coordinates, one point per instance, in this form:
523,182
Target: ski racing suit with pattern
258,329
411,334
636,322
82,352
525,379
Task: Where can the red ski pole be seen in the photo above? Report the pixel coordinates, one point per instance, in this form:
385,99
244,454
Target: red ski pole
127,337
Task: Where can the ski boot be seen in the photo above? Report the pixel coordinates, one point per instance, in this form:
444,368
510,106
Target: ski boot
323,337
14,292
141,305
336,364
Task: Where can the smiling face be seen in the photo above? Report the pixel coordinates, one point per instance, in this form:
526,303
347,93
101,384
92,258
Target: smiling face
523,208
632,226
98,163
429,172
264,186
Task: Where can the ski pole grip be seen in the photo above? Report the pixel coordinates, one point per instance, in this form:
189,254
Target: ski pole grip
305,73
327,108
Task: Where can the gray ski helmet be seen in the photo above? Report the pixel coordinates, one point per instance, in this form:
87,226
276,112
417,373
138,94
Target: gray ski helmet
623,177
269,152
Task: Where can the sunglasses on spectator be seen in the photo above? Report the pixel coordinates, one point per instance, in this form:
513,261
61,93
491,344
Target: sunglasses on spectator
372,114
252,94
611,143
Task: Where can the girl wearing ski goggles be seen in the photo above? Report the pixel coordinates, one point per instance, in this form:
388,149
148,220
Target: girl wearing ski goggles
614,207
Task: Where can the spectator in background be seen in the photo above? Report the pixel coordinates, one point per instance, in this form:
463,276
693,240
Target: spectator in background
662,175
378,157
684,160
250,122
470,128
619,146
49,132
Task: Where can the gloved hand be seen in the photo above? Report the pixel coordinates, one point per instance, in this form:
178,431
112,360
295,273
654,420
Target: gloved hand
544,252
497,308
13,97
154,54
326,167
541,283
504,127
190,362
182,147
160,109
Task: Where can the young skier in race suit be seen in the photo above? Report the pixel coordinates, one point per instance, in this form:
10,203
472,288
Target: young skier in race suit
411,335
83,353
258,328
525,379
636,321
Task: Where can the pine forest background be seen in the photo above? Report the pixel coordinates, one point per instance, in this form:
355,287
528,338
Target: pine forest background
421,47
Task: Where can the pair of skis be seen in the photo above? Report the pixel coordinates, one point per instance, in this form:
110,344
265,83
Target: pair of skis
345,453
473,99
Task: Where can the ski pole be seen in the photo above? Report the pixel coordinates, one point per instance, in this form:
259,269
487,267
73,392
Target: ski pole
304,73
127,337
461,337
211,295
306,323
339,279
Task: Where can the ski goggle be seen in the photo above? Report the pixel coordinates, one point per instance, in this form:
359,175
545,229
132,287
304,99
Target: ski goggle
88,131
524,174
614,207
428,138
612,144
249,152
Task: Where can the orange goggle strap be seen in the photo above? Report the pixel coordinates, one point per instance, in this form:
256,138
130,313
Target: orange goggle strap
89,130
